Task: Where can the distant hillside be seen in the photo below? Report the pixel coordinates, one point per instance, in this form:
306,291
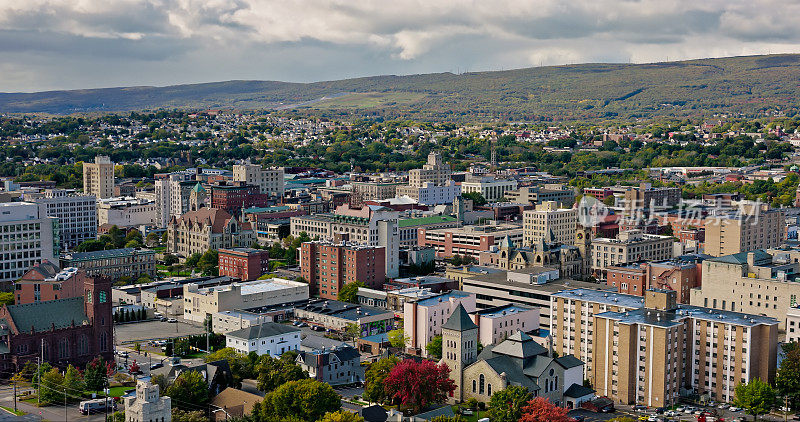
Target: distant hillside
748,85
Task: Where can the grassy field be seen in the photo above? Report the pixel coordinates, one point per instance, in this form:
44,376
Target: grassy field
369,100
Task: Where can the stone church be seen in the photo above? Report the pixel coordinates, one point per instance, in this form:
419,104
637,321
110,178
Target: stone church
518,360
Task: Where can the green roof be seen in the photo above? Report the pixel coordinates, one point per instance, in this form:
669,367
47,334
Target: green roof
43,315
198,188
424,221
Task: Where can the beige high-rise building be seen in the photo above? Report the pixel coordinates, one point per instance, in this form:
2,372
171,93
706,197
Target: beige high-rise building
435,171
269,180
758,282
630,246
572,320
753,226
551,223
98,177
650,355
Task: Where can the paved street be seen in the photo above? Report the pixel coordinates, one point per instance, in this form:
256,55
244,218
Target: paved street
50,413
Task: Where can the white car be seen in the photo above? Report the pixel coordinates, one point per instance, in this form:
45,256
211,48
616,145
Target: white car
679,409
734,409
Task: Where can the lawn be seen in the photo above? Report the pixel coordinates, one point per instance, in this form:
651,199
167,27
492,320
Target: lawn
471,418
113,392
12,411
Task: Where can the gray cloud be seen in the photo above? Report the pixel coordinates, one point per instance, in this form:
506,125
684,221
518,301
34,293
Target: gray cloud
61,44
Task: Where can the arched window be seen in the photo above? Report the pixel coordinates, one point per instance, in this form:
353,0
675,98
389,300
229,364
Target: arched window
45,351
83,345
474,386
63,348
481,381
489,389
103,341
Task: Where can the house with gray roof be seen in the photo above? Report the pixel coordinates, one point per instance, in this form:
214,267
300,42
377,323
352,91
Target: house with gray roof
269,338
341,365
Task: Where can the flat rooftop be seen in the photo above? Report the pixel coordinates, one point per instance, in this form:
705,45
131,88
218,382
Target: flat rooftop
433,300
505,310
606,297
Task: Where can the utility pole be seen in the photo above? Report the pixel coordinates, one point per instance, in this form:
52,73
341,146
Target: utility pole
65,405
15,396
39,374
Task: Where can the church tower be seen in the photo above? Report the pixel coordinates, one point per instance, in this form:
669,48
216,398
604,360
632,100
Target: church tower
197,198
583,241
459,347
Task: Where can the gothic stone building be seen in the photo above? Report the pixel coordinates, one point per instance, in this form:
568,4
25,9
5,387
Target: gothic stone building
74,330
518,360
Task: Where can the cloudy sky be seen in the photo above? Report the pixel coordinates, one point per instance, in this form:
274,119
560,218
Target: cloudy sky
70,44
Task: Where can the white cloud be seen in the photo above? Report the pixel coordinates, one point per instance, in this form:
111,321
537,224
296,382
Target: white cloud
167,39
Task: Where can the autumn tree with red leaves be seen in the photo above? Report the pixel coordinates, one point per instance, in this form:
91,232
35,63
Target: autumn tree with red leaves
542,410
419,384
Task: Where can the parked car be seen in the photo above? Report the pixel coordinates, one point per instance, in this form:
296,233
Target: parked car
679,409
172,320
96,406
123,354
156,365
734,409
639,408
163,319
579,418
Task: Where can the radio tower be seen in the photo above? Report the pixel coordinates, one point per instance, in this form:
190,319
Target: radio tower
494,157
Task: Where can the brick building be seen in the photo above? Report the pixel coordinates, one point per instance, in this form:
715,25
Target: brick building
328,266
243,263
46,281
65,331
237,195
680,275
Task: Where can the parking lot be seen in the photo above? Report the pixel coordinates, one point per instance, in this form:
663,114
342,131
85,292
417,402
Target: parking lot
149,330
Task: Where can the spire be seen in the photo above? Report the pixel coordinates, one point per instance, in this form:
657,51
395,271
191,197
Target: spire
506,243
459,320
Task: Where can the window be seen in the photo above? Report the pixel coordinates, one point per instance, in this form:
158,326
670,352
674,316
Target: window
480,384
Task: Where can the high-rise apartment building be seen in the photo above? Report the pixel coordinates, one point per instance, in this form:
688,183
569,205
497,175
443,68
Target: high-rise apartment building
98,177
753,226
76,214
434,171
329,266
490,188
550,223
650,355
27,237
269,180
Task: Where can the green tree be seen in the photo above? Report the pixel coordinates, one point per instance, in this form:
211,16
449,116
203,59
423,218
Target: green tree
476,197
6,298
189,390
73,380
398,338
241,364
755,397
95,374
117,236
161,381
170,259
787,380
91,245
52,388
352,331
192,260
434,347
209,262
342,416
506,405
179,415
306,399
374,388
273,372
349,292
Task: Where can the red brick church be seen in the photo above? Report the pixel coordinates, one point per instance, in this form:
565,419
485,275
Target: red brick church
69,330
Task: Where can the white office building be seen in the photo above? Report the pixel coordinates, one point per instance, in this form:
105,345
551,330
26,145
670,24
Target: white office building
490,188
77,214
27,236
270,339
126,212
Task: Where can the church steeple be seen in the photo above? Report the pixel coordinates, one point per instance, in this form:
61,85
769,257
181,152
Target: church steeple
197,198
459,346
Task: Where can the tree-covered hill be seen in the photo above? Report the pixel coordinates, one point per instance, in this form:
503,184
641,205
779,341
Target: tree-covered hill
751,85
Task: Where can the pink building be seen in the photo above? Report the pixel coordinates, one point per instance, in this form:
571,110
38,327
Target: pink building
423,319
495,324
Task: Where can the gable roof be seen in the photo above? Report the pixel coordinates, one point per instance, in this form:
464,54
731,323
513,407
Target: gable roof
236,402
42,316
569,361
445,410
459,320
215,217
41,271
267,329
